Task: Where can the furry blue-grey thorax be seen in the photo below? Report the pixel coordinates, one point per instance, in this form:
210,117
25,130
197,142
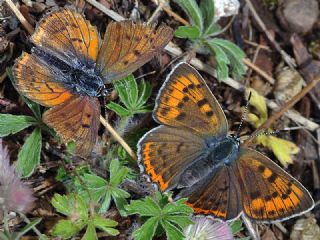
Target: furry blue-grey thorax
223,150
80,79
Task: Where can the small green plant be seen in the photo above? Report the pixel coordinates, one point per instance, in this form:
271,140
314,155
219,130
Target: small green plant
160,216
102,191
81,215
29,154
134,97
202,33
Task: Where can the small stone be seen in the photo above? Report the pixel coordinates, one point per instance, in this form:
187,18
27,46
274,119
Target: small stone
298,15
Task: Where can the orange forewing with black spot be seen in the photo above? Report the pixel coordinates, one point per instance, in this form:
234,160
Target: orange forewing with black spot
78,120
268,192
36,80
186,101
127,46
67,34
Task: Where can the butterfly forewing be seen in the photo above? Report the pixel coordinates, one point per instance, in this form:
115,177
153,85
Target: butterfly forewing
78,120
165,152
268,192
69,36
37,81
185,101
127,46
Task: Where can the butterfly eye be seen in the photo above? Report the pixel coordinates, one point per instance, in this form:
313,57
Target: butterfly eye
104,92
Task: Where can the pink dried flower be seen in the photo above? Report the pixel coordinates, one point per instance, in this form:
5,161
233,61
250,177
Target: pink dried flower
14,194
205,228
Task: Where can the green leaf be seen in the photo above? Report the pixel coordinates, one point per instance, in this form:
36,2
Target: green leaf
117,174
147,230
146,207
173,217
90,233
172,232
10,124
65,229
191,32
207,10
35,108
193,11
182,221
118,109
29,155
235,55
236,227
133,96
106,225
61,204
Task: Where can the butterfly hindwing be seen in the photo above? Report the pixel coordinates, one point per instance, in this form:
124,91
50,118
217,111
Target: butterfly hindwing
216,194
268,192
127,46
37,81
185,101
66,34
76,119
165,152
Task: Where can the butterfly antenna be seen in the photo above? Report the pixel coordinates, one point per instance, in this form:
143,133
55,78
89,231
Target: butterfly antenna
244,115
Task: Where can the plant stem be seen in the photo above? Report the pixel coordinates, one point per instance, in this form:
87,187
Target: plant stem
118,138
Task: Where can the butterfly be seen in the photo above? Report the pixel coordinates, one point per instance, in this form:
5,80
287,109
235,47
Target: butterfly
69,65
192,153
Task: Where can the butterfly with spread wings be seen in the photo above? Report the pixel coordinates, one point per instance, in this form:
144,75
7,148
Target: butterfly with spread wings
69,66
192,152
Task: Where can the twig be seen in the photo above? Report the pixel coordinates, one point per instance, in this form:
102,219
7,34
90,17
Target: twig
284,108
258,70
253,233
163,5
21,18
118,137
115,16
285,56
257,45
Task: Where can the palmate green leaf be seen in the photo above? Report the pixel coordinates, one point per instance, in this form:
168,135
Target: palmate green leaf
29,155
104,191
193,11
173,217
191,32
147,230
10,124
132,95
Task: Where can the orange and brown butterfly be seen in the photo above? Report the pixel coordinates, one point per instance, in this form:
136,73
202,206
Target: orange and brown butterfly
69,65
192,153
